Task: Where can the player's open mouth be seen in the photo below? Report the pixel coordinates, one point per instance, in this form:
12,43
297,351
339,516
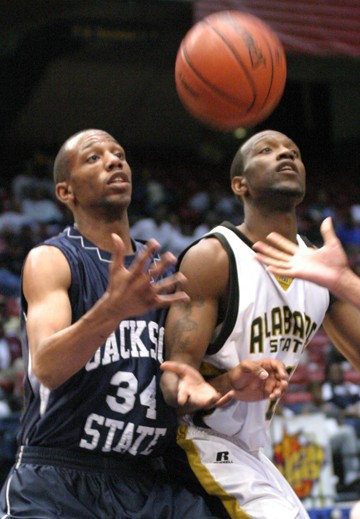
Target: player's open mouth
287,166
118,178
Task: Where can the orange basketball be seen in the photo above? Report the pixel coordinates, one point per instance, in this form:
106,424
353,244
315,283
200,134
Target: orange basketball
230,70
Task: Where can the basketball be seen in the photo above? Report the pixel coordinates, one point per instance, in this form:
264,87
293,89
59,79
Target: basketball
230,70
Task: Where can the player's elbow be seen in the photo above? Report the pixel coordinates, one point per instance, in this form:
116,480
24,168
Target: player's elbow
46,379
48,376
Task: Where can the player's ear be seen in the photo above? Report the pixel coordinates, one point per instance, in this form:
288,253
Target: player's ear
239,185
64,192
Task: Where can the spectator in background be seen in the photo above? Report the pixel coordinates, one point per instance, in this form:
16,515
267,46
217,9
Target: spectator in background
321,207
157,226
5,352
24,181
11,367
9,282
165,227
38,206
211,218
343,438
12,219
342,398
14,250
348,233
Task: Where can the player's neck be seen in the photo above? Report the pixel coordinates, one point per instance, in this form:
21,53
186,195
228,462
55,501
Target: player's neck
100,233
257,228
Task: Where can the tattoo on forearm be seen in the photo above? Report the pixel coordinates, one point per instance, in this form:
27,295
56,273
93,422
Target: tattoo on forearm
184,326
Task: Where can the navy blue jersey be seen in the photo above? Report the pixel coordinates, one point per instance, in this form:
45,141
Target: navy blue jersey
114,404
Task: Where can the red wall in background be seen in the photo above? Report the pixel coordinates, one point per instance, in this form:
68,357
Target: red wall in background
317,27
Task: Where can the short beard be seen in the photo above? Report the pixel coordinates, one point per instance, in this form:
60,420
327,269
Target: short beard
109,211
281,199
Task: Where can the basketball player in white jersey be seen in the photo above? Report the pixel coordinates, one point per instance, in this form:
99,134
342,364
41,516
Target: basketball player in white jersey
238,311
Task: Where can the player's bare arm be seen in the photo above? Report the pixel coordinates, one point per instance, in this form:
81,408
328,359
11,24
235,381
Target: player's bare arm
189,326
341,324
188,332
52,337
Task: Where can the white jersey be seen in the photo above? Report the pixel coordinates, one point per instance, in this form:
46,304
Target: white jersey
267,316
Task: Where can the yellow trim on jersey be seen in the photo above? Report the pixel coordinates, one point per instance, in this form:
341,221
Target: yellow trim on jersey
206,479
283,281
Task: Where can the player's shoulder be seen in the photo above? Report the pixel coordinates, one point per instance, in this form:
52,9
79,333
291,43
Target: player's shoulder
206,267
44,252
44,259
207,249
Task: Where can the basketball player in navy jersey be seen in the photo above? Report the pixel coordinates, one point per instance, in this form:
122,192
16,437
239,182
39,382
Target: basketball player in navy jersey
93,302
239,310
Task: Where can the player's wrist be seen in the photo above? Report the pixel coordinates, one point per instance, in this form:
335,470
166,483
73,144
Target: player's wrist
111,313
169,385
344,283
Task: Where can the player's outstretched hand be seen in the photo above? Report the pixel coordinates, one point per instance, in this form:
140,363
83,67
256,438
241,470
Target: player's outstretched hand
323,266
193,392
133,291
257,380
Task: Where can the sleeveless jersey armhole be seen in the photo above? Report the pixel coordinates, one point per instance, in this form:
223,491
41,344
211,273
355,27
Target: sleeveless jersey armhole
232,299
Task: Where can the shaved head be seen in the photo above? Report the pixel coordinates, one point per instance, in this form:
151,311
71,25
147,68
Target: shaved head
237,166
62,167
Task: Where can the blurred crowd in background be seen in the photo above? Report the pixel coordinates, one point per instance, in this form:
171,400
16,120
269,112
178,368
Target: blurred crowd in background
177,207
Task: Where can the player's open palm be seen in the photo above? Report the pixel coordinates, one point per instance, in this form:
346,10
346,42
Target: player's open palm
193,392
134,290
322,266
258,380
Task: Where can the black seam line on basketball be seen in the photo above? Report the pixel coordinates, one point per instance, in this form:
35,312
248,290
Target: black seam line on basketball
236,55
225,96
272,73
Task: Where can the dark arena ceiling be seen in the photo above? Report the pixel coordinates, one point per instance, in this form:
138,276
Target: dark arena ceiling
67,65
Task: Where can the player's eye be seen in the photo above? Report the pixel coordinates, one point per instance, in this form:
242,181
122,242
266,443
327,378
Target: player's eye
265,149
295,153
92,158
120,154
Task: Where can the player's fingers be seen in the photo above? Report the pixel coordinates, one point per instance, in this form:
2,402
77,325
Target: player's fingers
181,369
327,230
173,367
169,290
119,252
275,394
254,368
170,283
276,366
272,262
159,266
182,396
272,251
278,271
281,243
225,398
168,299
278,390
143,261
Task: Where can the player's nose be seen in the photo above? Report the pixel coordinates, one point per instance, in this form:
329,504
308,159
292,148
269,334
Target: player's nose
285,153
112,160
